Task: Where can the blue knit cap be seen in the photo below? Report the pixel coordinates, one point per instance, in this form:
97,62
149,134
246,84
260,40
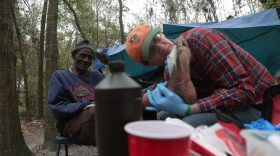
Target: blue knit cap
81,45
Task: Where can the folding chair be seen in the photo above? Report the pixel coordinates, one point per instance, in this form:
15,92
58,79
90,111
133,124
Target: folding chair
65,141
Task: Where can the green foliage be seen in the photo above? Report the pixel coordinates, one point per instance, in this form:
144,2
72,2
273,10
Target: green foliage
21,110
28,19
21,106
271,4
98,20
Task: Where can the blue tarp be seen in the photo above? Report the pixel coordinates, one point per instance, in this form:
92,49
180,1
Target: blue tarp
257,33
98,64
260,19
115,49
108,51
132,68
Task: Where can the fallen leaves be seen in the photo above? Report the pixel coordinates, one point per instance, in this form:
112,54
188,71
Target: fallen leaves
28,127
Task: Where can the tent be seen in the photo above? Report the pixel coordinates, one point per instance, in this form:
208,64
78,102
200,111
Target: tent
132,68
257,33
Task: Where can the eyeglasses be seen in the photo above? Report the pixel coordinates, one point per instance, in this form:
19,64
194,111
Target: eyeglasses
157,38
154,41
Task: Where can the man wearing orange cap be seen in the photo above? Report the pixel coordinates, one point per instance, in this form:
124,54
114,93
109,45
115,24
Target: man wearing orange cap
205,70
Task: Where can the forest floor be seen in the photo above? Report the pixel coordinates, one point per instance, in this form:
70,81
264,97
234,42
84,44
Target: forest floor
33,133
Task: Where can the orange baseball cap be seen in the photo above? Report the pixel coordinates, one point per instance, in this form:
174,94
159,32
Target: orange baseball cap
138,42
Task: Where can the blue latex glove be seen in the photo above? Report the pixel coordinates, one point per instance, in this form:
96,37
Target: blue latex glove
150,108
261,124
151,98
163,83
164,99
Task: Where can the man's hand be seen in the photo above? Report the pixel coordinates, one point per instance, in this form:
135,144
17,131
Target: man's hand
180,80
146,99
183,49
92,104
164,99
85,102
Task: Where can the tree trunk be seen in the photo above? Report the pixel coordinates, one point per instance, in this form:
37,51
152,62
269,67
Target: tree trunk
23,66
52,65
121,22
40,112
213,11
96,45
76,19
11,139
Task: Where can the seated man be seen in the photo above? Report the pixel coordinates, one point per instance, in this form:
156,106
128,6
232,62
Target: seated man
70,93
211,71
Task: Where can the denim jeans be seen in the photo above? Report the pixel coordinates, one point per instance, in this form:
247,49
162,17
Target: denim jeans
246,115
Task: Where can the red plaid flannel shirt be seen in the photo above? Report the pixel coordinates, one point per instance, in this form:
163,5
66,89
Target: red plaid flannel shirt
223,73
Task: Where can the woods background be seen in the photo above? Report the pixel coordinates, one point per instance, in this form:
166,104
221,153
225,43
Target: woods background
37,37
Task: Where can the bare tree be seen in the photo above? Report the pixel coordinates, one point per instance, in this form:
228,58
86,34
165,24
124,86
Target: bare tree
52,63
76,19
23,66
212,11
183,9
40,112
11,139
171,9
121,21
236,7
207,9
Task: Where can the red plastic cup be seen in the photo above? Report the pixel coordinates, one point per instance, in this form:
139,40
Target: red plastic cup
157,138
